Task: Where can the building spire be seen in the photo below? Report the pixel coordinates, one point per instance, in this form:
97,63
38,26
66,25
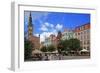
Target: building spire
30,20
30,26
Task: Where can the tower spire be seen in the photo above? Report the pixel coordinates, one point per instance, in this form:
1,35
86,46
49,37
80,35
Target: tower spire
30,20
30,26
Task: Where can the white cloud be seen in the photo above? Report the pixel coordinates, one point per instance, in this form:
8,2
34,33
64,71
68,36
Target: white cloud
47,24
43,28
40,16
59,26
54,31
48,29
44,35
52,26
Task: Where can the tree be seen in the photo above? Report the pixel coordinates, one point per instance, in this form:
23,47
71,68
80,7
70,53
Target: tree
27,49
63,47
44,49
74,45
51,48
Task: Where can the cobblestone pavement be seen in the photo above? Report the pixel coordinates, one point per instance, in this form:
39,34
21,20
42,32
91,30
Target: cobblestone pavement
69,57
61,58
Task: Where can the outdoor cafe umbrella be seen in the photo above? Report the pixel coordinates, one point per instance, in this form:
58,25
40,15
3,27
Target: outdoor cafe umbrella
52,52
84,50
36,51
55,51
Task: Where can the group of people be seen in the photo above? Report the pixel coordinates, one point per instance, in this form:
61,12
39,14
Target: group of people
46,57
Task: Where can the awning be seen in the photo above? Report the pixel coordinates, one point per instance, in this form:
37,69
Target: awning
36,51
84,50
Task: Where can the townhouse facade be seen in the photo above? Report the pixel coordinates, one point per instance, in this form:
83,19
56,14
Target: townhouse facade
82,33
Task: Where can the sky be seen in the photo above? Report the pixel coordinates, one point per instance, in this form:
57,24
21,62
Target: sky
46,23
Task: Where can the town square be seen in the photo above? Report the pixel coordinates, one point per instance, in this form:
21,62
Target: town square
56,36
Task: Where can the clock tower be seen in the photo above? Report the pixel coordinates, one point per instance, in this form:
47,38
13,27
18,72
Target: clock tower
30,27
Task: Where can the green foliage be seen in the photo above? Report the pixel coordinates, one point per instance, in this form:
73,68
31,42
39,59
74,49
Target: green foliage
27,49
74,44
69,45
44,49
51,48
63,46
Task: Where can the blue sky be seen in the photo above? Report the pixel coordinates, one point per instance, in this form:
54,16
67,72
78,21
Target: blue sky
46,23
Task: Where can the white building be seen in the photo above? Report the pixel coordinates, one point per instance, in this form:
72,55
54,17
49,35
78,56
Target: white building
67,34
47,41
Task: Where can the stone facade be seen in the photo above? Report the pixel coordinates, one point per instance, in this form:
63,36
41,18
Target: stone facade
83,34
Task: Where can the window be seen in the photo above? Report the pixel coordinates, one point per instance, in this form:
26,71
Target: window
85,42
81,42
88,47
84,37
78,33
88,42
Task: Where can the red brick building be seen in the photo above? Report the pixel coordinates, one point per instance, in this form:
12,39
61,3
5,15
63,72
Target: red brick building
34,39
